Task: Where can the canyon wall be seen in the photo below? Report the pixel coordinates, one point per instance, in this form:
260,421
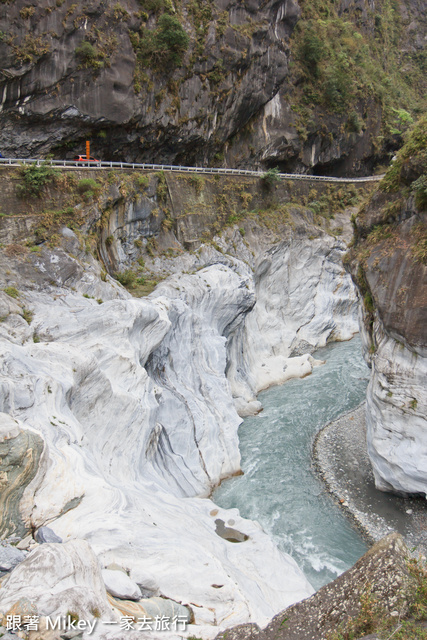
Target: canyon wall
389,266
126,404
308,88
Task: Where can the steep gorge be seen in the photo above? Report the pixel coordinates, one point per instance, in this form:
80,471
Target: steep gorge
128,400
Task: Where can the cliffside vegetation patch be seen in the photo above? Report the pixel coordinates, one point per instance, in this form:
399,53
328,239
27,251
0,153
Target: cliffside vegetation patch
343,63
390,253
374,619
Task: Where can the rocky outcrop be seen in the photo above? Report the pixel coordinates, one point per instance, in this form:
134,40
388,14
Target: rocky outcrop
20,459
130,397
217,82
303,300
389,266
104,388
379,586
59,578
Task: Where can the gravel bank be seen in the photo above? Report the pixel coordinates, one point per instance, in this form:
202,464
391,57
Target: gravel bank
341,459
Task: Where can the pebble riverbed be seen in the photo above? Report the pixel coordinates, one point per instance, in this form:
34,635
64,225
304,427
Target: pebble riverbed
341,459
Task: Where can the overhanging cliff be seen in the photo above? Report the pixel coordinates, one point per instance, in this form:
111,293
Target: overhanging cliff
304,86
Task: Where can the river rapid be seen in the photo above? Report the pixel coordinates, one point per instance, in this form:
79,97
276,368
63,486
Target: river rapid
279,488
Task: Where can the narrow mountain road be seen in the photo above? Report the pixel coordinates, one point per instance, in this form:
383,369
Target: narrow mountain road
72,164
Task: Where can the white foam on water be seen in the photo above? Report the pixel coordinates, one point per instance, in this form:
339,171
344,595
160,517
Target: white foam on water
279,488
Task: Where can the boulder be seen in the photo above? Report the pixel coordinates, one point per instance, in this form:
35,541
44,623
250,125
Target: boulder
57,578
10,557
46,535
119,585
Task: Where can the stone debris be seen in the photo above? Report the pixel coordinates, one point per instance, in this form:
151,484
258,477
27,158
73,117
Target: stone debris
45,534
54,579
10,557
340,456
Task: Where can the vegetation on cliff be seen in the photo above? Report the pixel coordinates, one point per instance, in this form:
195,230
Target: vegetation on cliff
389,258
347,59
192,81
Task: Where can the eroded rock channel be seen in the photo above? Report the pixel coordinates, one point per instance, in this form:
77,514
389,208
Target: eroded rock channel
133,404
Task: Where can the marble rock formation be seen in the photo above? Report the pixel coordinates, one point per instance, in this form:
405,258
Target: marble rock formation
388,264
135,420
127,412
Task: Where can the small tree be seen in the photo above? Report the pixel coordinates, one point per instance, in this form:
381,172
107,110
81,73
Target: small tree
271,177
311,52
420,189
171,40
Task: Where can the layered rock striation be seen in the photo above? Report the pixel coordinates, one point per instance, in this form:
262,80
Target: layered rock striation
126,404
238,83
389,266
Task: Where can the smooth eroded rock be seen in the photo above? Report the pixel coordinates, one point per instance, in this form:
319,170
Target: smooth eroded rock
46,535
56,578
119,585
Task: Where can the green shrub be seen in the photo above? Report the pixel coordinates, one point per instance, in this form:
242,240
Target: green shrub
337,88
87,184
402,120
126,278
31,48
164,48
11,291
354,124
197,182
311,51
35,177
142,181
162,187
28,315
86,52
271,177
157,6
218,72
419,187
414,151
369,302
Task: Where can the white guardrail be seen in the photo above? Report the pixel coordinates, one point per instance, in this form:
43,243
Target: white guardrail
73,164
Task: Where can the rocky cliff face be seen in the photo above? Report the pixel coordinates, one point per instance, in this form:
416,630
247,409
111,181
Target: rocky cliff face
367,598
124,403
389,265
304,87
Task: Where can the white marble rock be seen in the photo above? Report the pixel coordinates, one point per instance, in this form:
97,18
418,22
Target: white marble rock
139,424
119,585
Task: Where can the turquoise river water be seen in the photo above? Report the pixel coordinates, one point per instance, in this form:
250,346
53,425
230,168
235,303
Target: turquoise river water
279,487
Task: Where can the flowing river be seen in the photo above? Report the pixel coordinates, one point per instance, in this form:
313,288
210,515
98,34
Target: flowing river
279,488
